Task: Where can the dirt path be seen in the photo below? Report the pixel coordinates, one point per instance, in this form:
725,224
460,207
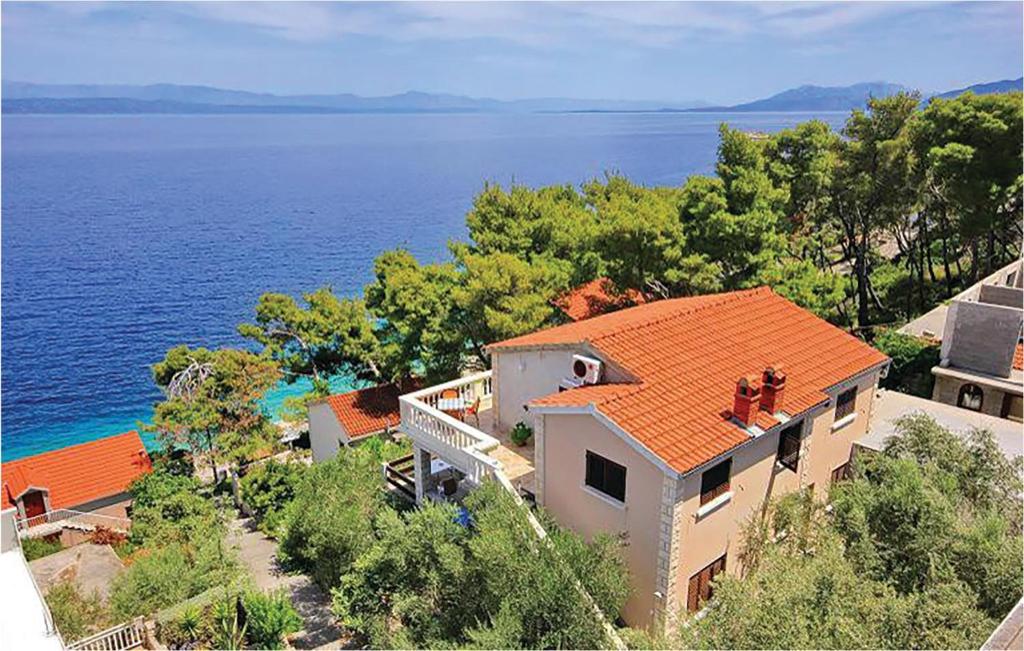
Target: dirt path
259,553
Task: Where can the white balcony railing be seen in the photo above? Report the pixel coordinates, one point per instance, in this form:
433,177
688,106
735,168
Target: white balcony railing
52,521
459,443
130,635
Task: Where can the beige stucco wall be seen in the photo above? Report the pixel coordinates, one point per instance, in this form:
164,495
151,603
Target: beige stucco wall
325,432
947,390
567,437
756,478
830,448
520,376
657,502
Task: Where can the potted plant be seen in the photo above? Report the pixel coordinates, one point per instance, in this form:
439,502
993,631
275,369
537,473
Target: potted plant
521,433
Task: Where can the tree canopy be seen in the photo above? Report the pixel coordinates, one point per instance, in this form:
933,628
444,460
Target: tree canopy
922,549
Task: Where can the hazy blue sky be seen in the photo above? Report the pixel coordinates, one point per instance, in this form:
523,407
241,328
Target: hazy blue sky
721,52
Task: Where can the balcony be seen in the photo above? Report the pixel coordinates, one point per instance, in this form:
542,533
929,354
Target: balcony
454,435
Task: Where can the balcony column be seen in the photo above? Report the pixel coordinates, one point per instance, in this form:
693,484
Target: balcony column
421,465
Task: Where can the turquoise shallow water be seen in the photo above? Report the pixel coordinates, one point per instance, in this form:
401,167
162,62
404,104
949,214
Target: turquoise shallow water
125,235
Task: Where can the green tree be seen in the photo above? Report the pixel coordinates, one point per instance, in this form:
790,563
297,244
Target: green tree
212,401
553,226
872,186
500,296
414,308
970,162
327,337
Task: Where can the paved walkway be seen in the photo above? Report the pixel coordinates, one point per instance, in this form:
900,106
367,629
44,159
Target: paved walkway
259,553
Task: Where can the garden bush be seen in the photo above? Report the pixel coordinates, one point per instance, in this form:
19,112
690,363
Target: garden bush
163,576
34,548
269,618
233,619
428,580
267,489
330,520
76,615
912,362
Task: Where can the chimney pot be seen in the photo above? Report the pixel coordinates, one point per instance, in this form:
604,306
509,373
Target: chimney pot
773,391
746,400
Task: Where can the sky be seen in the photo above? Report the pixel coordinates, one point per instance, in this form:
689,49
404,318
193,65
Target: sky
724,52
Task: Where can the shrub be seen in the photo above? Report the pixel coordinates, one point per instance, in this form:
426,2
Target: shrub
34,548
189,629
104,536
169,574
330,520
269,618
228,629
267,489
430,581
76,615
521,433
912,362
153,488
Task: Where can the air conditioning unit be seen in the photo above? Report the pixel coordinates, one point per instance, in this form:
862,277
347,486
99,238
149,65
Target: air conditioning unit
586,370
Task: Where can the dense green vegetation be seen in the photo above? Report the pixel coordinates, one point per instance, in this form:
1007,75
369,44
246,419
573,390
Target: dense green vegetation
268,489
34,548
922,549
867,226
234,619
428,580
427,577
179,548
912,363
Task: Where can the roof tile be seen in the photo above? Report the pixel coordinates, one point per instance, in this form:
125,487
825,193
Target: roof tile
80,473
688,354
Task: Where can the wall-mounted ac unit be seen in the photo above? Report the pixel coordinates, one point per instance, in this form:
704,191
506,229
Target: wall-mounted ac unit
586,370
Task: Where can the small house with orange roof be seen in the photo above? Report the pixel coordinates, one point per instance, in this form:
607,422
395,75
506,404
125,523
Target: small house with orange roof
346,418
598,296
87,477
669,423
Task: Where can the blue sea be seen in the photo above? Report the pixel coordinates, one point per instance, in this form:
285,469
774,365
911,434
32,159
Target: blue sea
125,235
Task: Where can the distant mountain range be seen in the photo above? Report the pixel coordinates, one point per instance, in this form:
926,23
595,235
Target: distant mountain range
1004,86
817,98
25,97
845,98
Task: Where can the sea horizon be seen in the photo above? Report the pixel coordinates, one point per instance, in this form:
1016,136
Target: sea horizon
126,235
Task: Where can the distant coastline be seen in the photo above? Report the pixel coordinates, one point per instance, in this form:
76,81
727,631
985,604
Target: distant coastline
24,98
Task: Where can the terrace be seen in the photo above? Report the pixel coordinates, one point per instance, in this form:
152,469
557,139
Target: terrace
456,443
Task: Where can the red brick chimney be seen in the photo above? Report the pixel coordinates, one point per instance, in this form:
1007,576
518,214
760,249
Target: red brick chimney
745,402
773,389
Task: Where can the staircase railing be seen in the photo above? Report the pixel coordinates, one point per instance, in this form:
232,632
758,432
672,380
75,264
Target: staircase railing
69,517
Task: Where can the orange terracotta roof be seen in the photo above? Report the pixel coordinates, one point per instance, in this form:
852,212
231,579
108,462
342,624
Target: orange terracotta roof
80,473
1018,357
594,298
687,355
367,411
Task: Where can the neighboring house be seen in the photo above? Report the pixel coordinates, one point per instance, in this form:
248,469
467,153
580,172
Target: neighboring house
25,619
670,423
980,364
890,406
350,417
594,298
90,477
